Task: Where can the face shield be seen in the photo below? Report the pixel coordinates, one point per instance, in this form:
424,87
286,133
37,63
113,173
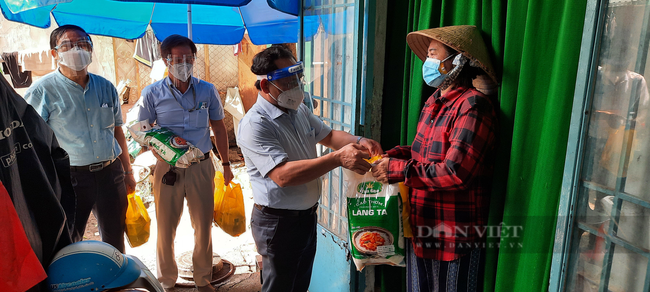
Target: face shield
289,81
75,54
181,67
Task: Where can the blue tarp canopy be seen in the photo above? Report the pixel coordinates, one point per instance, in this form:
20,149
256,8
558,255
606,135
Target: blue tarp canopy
232,3
287,6
220,22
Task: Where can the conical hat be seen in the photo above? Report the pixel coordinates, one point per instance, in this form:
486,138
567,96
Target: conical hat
466,39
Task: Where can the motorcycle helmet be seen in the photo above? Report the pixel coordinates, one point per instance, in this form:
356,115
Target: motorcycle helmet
97,266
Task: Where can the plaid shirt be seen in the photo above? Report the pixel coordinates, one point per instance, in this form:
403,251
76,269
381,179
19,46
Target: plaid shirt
449,170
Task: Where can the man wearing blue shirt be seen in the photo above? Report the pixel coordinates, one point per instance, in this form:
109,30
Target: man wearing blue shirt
83,110
188,107
278,138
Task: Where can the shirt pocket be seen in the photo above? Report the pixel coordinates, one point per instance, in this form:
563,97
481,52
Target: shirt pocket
107,117
311,136
199,119
170,117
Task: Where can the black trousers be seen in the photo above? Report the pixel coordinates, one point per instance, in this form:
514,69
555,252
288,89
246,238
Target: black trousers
287,246
104,193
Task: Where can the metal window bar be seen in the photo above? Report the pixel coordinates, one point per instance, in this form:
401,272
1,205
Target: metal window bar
618,201
623,195
594,27
565,233
620,195
615,239
334,208
611,238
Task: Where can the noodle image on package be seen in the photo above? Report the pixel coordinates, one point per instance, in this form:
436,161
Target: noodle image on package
374,221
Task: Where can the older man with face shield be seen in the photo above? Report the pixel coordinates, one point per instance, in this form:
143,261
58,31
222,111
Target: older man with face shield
189,107
83,110
278,138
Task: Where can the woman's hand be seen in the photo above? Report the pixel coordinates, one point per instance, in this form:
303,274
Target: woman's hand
380,170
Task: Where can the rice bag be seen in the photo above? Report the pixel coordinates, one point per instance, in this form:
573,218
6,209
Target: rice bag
374,221
169,146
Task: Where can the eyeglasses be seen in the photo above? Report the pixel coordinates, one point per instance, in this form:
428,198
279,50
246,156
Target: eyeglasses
181,59
82,44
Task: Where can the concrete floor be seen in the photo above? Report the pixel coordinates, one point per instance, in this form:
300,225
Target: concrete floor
245,282
240,251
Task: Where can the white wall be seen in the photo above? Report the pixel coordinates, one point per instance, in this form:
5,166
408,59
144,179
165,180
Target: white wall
19,37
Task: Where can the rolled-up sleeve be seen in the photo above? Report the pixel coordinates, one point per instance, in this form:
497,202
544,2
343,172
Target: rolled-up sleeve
259,143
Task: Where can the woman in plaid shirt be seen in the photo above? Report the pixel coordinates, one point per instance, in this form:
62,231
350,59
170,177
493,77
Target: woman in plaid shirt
449,165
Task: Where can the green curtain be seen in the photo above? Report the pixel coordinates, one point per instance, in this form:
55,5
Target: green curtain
540,66
537,42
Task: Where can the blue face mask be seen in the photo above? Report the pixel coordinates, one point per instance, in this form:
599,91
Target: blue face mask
431,71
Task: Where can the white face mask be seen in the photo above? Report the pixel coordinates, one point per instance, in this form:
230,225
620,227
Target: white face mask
290,99
76,58
182,71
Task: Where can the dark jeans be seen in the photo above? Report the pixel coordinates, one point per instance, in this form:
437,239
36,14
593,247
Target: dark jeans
104,193
288,247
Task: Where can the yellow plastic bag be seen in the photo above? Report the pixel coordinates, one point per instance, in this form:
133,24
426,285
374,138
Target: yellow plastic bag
137,221
229,212
406,210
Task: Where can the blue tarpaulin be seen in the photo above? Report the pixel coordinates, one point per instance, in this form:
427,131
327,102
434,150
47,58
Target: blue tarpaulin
16,6
224,22
232,3
287,6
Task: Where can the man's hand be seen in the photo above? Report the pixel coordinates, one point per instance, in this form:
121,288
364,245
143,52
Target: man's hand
372,145
157,156
380,170
129,183
227,175
351,157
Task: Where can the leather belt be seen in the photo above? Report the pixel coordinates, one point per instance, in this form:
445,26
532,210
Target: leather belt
286,212
206,156
95,167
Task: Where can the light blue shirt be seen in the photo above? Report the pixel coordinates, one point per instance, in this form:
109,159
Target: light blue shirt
160,106
83,119
267,137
